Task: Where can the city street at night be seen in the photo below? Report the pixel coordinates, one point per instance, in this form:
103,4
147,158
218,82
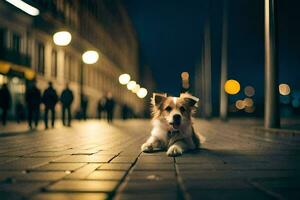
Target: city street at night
93,160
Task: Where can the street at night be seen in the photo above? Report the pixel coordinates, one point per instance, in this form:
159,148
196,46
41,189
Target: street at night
149,99
93,160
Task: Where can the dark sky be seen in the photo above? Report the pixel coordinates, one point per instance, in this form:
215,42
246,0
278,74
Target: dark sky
170,34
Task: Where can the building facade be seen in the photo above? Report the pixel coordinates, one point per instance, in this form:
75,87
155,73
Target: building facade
28,51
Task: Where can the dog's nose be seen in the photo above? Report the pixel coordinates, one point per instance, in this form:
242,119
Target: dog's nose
176,119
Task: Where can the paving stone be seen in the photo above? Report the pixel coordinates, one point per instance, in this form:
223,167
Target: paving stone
151,166
124,159
230,194
155,159
23,188
152,175
106,175
83,172
59,167
150,186
7,159
9,174
115,166
83,186
86,158
47,154
25,163
69,196
147,196
41,176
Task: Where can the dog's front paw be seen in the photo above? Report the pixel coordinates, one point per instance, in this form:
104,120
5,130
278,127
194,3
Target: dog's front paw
146,147
174,150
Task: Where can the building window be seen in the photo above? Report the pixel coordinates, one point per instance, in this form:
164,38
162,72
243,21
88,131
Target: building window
16,41
41,58
54,63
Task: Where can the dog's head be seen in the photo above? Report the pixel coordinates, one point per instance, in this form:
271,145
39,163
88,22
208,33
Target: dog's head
176,111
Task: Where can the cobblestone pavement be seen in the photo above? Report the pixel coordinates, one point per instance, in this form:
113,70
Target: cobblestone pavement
93,160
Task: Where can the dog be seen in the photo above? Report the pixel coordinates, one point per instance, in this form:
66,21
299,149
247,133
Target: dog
172,125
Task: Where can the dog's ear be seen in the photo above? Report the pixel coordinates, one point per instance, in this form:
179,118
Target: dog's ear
158,98
189,99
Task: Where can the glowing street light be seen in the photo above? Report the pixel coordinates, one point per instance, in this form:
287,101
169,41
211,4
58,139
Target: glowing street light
131,85
232,86
25,7
90,57
124,79
136,88
62,38
284,89
142,93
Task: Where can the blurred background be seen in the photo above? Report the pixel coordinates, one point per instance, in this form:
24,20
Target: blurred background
132,48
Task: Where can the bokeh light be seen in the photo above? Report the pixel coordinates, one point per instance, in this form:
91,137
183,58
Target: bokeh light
124,79
131,85
185,75
136,88
232,87
90,57
296,103
250,109
142,93
248,102
239,104
62,38
249,91
284,89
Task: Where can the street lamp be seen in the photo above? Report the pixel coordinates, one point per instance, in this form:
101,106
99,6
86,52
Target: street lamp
142,93
124,79
62,38
131,85
90,57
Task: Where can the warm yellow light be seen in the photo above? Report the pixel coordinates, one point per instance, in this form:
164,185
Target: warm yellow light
136,88
249,91
25,7
4,67
29,74
232,87
124,79
131,85
62,38
248,102
239,104
90,57
142,93
284,89
185,75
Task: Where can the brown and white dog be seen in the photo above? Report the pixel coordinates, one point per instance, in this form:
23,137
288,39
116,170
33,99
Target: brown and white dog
172,124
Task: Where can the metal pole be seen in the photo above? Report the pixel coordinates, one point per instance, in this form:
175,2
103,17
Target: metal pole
207,65
272,118
224,64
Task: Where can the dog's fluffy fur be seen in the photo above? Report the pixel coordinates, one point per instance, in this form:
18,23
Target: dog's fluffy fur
172,124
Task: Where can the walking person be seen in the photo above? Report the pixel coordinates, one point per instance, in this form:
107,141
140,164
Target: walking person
101,107
33,101
110,106
84,105
66,99
5,102
50,99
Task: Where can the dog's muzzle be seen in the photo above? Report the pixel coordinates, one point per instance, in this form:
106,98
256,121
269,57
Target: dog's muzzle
176,121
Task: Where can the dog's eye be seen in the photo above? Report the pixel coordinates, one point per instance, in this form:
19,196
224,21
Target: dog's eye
168,109
182,109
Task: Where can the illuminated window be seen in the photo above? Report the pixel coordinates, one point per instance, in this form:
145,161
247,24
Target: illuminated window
40,58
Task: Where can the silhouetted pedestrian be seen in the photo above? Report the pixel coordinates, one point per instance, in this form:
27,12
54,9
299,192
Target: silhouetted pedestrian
19,111
101,107
5,102
50,99
66,99
109,106
84,105
125,112
33,100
